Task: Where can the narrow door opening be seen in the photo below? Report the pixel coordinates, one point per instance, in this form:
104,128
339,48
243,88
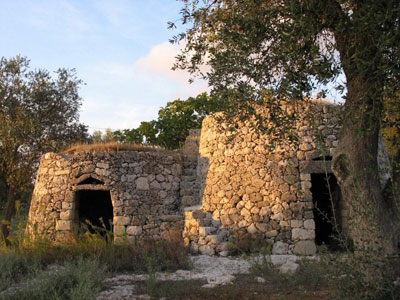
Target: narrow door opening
325,193
94,208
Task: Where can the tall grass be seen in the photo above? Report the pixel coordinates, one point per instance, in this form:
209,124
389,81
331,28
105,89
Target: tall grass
74,268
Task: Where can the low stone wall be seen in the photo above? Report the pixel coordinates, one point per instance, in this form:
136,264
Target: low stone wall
249,189
144,189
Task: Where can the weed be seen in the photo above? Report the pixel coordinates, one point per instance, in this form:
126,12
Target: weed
80,279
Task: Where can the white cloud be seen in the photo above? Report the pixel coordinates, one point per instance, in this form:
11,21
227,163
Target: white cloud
161,59
123,95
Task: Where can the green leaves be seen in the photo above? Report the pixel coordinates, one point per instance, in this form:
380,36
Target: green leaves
174,121
38,113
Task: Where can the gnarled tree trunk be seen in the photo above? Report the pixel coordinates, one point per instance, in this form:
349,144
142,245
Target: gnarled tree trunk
373,220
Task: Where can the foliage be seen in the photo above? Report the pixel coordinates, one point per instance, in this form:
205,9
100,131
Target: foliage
74,268
99,137
38,114
172,126
177,117
80,279
297,48
391,125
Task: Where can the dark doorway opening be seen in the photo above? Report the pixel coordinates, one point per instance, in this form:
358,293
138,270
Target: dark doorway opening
96,208
324,196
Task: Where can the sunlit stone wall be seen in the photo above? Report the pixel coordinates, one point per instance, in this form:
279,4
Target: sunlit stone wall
252,191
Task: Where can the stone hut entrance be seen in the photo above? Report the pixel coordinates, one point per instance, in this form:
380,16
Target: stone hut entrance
325,193
95,207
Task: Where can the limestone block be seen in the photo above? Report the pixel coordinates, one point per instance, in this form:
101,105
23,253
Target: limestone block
155,185
206,250
204,231
243,223
263,227
271,233
122,220
188,200
278,217
305,248
213,239
162,194
303,234
305,177
66,215
309,224
61,172
255,210
119,230
277,208
64,225
245,212
296,223
68,205
134,230
258,183
289,268
102,172
102,165
280,248
142,184
252,229
226,220
265,211
160,178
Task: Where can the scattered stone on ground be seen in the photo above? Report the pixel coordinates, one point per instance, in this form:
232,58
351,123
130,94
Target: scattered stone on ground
213,269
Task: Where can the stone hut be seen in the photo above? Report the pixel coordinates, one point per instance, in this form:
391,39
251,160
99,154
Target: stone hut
278,195
212,194
138,191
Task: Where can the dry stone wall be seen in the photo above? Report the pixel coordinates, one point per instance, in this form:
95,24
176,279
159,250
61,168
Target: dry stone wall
219,191
144,189
249,190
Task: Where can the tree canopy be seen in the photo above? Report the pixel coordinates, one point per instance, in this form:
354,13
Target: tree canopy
296,48
38,113
173,123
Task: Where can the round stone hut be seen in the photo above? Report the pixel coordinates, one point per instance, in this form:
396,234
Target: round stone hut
257,192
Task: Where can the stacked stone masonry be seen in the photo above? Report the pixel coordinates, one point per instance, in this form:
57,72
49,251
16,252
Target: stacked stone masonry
251,190
211,194
144,189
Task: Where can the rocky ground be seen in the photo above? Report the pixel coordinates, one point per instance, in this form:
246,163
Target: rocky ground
210,271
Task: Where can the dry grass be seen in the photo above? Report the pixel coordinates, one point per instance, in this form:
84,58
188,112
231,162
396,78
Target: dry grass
115,147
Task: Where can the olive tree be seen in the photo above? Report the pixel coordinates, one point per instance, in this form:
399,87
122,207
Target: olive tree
38,113
298,47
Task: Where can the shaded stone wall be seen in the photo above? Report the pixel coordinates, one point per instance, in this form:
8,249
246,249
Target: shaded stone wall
144,189
250,189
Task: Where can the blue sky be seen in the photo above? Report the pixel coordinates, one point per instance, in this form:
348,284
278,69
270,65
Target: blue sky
119,48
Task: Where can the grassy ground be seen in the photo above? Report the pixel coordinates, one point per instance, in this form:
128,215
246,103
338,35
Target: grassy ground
76,269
